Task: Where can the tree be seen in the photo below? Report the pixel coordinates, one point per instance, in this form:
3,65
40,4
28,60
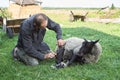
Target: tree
112,7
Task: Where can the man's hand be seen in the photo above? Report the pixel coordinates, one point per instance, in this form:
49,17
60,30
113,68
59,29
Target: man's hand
60,42
49,55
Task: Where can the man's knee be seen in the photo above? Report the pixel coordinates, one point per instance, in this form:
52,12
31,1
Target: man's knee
33,62
21,56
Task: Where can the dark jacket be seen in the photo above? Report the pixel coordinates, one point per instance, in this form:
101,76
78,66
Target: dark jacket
30,39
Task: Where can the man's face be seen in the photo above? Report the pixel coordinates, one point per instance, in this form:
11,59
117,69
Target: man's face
44,24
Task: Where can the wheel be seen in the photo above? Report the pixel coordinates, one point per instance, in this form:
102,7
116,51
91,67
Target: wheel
9,32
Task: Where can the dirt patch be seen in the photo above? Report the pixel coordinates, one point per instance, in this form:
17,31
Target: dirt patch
114,20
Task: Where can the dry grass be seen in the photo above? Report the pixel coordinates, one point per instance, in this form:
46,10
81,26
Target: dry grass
24,11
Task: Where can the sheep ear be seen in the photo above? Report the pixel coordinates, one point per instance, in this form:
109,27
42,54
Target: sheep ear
96,41
85,40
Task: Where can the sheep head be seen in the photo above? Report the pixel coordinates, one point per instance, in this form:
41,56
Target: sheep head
87,47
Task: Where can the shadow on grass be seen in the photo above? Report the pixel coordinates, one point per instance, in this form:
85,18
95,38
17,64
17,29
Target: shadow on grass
107,65
108,42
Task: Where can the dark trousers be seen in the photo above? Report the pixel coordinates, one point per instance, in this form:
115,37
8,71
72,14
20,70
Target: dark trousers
20,55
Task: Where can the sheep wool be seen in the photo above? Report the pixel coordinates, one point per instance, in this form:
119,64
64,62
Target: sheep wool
72,46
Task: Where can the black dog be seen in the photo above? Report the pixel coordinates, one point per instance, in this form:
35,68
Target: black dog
77,17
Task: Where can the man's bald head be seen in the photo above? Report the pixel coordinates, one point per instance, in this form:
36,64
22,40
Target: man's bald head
40,20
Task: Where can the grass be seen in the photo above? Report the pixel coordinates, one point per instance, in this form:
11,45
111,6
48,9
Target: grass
107,68
92,13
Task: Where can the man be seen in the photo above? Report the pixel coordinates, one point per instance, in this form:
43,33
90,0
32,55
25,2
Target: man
30,48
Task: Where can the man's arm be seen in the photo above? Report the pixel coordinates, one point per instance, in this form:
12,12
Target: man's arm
55,27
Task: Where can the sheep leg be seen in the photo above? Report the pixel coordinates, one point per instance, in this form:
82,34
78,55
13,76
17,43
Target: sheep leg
59,56
72,60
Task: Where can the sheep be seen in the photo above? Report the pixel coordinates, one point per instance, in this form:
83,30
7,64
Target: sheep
82,50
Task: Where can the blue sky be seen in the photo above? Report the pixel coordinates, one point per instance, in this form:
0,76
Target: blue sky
72,3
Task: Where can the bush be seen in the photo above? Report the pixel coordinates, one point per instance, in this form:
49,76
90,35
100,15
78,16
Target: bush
5,13
112,7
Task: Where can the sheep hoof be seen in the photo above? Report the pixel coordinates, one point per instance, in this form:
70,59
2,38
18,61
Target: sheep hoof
58,66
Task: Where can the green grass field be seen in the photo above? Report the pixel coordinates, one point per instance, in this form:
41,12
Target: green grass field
107,68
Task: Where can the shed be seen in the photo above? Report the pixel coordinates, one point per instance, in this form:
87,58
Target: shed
27,2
